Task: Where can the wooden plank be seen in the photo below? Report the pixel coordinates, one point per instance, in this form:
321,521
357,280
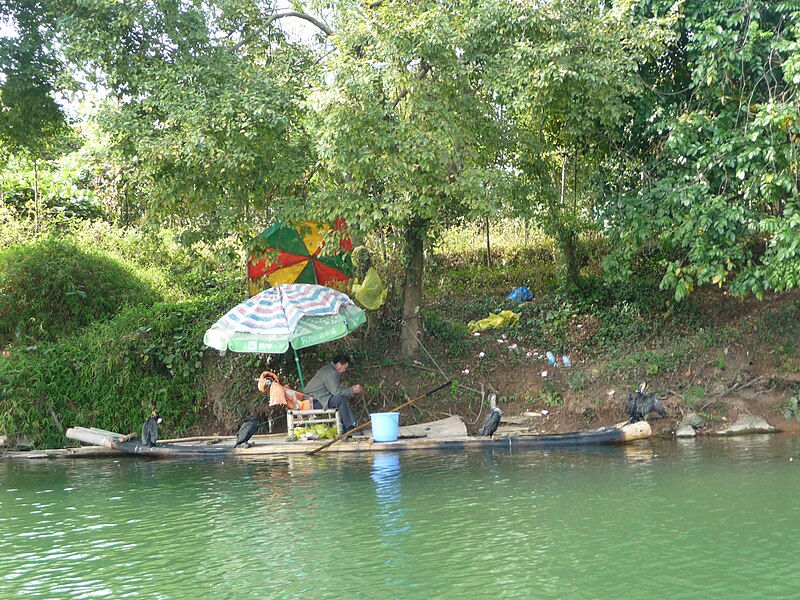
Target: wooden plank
442,429
209,439
102,431
636,431
78,452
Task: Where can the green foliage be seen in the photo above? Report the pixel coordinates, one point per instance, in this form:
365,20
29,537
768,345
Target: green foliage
510,240
513,398
406,134
663,133
721,185
461,283
550,395
52,288
578,379
693,393
111,374
492,282
670,127
623,323
570,87
655,366
177,270
453,335
791,410
635,363
362,261
31,121
62,195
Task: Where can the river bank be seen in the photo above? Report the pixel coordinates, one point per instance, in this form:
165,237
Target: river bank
737,359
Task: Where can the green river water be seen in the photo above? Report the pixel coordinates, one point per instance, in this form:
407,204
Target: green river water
654,519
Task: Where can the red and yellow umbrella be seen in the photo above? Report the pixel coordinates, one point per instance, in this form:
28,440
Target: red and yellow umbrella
287,254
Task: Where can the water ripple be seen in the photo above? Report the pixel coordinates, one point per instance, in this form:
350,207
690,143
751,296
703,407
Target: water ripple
594,523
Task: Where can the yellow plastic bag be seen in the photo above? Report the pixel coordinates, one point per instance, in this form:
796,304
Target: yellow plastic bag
371,293
495,321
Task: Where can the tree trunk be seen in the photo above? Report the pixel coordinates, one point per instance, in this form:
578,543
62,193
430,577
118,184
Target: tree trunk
36,195
567,238
412,292
488,246
569,256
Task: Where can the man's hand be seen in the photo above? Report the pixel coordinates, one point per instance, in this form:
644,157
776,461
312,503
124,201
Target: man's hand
357,389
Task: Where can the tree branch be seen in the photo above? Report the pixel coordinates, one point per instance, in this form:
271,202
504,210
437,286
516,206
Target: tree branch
423,71
301,15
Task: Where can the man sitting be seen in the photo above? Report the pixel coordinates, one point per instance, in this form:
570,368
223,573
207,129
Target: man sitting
324,387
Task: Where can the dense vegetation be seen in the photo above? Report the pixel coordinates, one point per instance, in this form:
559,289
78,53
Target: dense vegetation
53,288
649,147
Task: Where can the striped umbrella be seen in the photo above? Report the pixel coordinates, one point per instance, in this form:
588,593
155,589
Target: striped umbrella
296,315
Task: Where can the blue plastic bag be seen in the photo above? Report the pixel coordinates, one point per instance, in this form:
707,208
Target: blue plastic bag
520,294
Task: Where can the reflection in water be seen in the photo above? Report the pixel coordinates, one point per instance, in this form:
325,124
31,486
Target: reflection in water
388,491
390,517
749,443
638,453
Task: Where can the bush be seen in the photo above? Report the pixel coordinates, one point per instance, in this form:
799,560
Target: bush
111,374
453,335
52,288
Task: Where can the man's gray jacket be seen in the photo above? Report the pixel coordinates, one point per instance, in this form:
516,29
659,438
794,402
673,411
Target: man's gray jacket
325,384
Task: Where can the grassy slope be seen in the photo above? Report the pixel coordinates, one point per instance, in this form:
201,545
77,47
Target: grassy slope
94,333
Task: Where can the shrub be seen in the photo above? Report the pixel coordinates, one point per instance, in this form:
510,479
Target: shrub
454,335
111,374
52,288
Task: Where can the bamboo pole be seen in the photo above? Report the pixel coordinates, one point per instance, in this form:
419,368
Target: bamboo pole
366,424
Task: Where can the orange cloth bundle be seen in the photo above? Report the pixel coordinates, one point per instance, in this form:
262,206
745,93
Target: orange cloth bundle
280,395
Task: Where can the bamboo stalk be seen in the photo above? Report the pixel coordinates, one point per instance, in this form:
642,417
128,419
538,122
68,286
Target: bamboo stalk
366,424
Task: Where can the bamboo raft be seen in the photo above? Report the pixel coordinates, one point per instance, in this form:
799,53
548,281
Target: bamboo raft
447,434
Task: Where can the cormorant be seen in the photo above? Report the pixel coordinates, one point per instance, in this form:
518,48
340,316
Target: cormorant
639,405
150,430
246,431
492,421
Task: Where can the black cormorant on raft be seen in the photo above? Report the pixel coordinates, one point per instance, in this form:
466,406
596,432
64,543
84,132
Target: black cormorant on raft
150,430
638,405
492,421
246,431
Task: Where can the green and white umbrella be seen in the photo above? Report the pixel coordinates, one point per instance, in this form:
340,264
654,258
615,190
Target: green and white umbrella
290,315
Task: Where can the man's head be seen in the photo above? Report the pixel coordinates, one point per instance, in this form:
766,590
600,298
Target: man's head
341,362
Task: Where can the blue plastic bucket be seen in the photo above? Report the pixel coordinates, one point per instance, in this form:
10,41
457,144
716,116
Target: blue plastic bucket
385,426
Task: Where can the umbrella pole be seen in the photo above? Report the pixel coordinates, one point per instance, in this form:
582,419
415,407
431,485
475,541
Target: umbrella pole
299,370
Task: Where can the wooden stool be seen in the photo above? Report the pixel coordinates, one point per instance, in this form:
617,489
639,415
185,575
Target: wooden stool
302,418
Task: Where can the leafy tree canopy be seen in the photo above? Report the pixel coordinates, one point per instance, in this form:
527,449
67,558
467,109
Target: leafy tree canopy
406,133
718,189
31,120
